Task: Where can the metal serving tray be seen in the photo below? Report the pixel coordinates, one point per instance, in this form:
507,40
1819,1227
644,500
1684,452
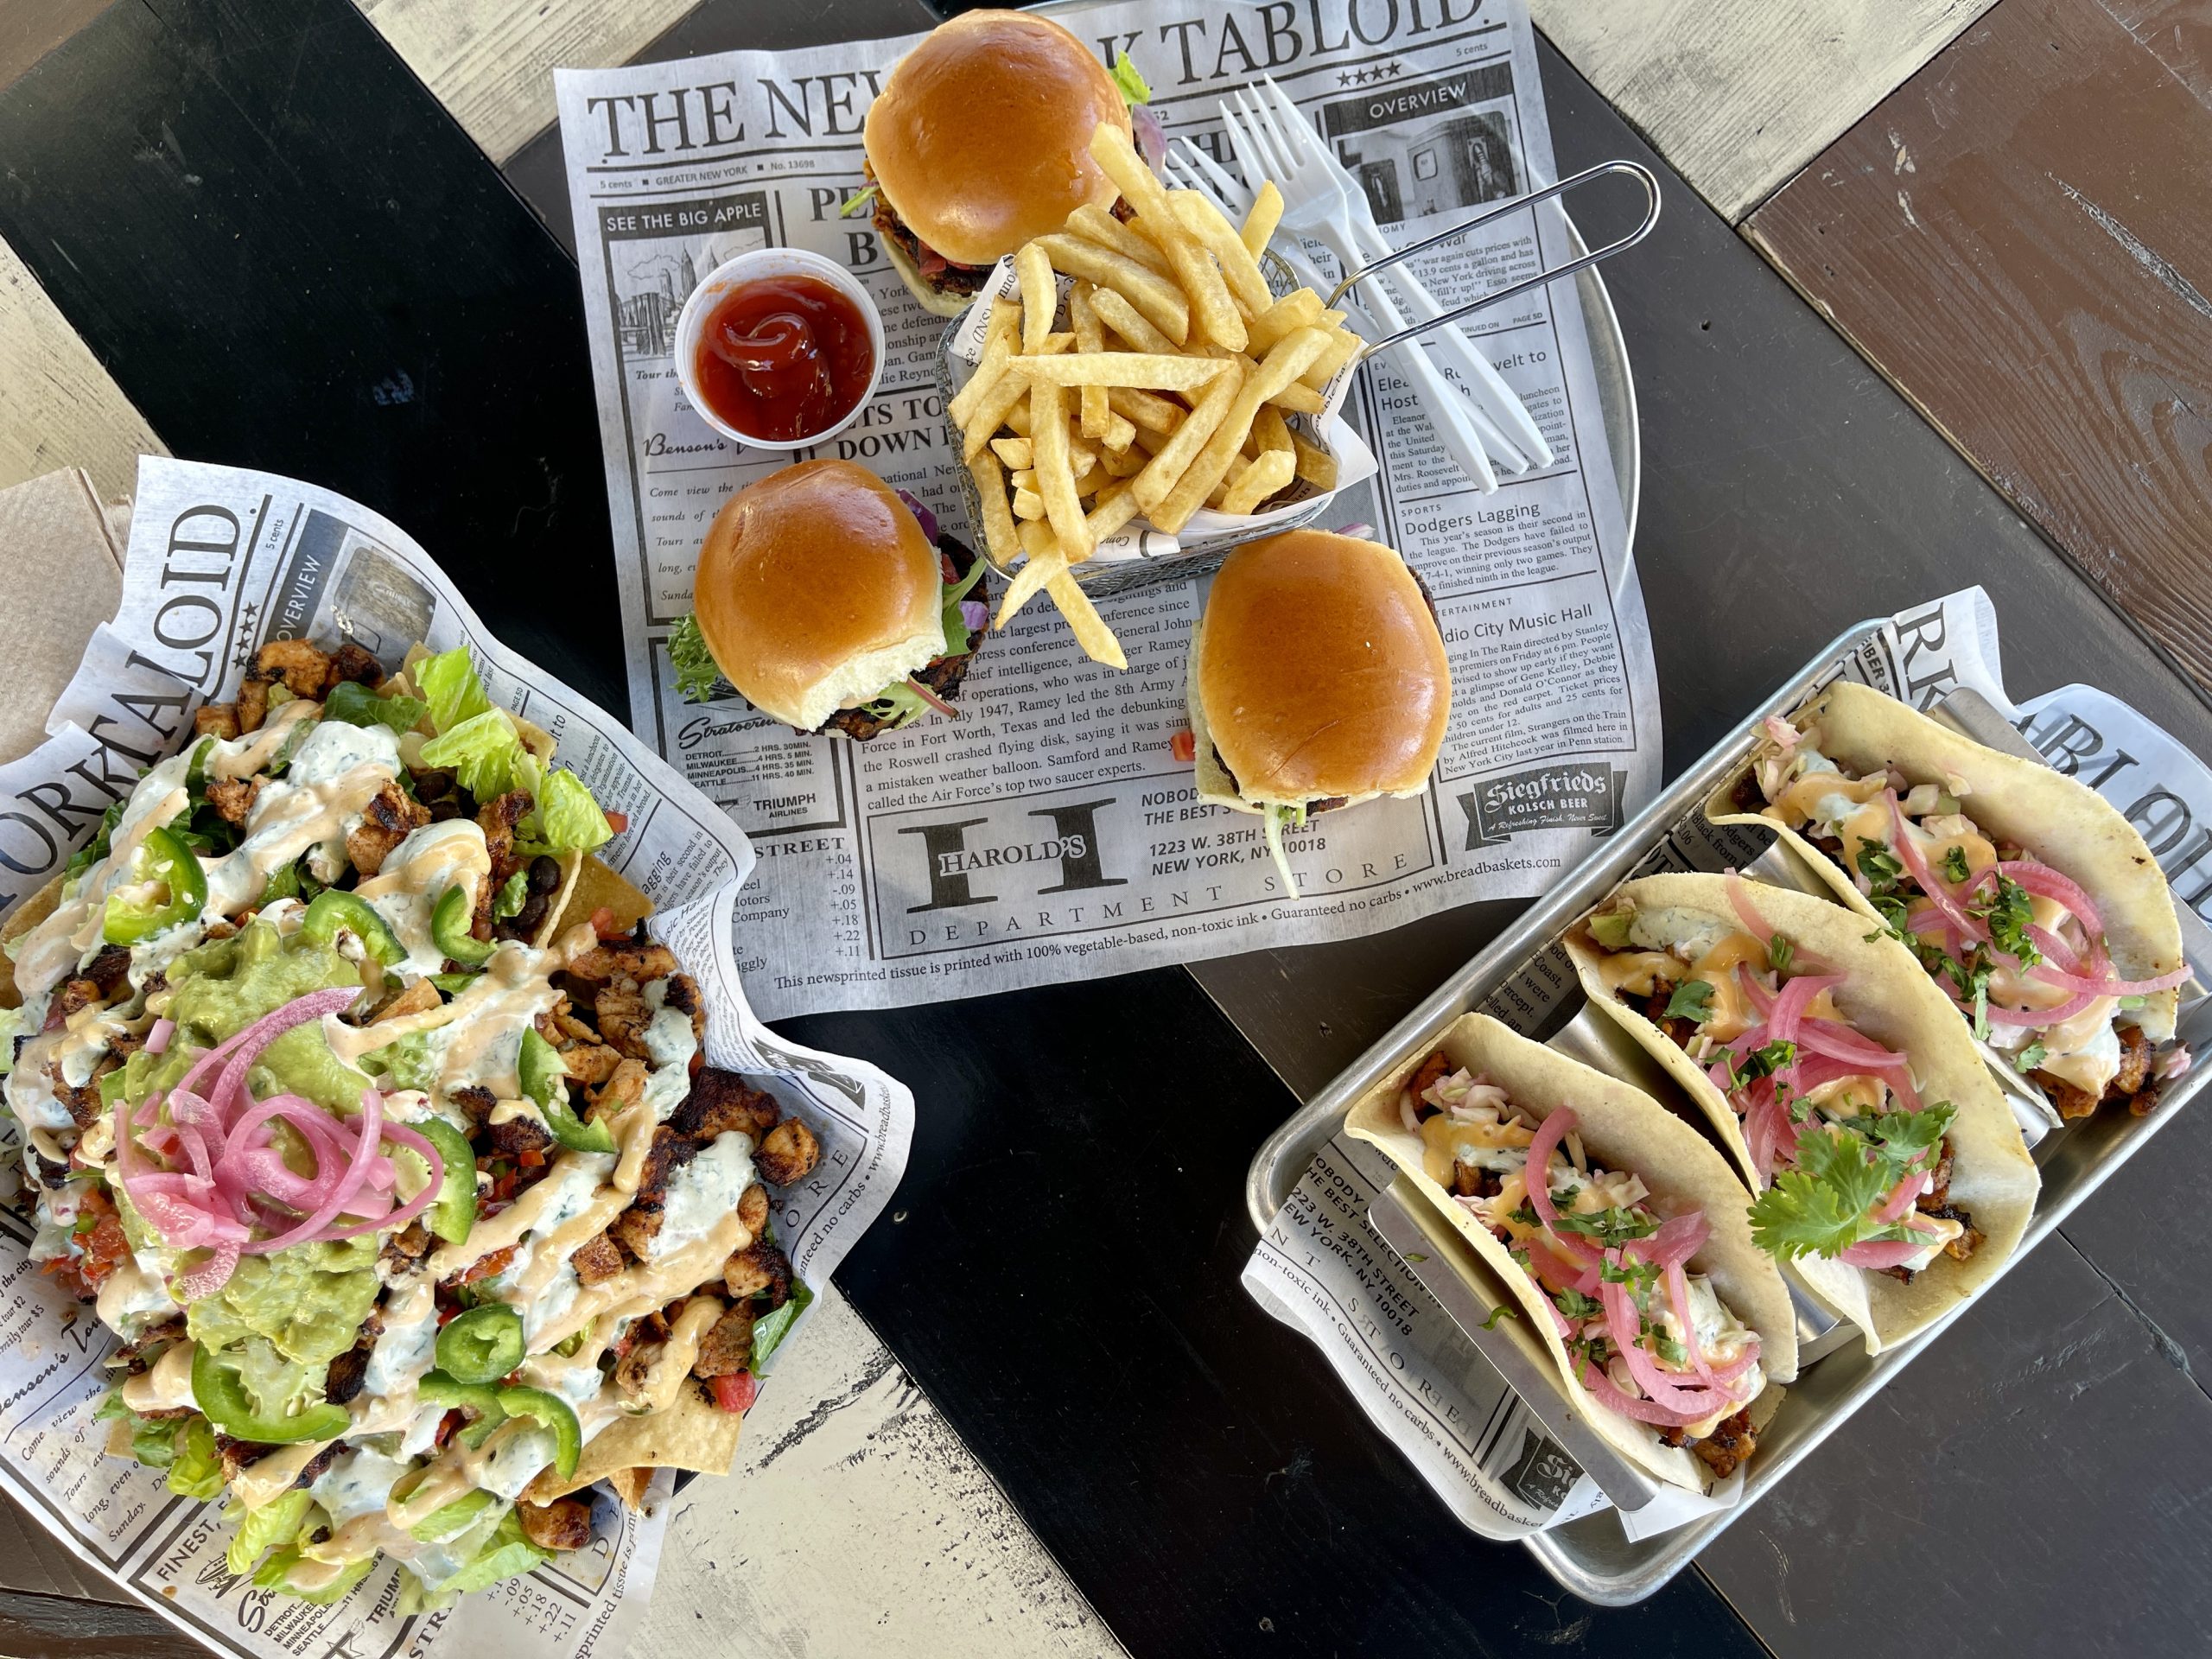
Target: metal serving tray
1594,1557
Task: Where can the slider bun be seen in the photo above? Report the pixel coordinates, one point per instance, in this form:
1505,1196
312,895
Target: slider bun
817,588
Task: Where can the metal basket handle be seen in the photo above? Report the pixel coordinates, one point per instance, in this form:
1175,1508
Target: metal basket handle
1634,169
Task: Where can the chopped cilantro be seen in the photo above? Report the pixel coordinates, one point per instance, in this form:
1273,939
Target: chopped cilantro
1669,1349
1779,951
1955,868
2009,914
1608,1227
1692,1001
1821,1208
1573,1303
696,671
2031,1056
1501,1311
1883,868
1768,1058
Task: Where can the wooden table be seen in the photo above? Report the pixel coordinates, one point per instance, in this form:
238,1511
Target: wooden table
1168,1457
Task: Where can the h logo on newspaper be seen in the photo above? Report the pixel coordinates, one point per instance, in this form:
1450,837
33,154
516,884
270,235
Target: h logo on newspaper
1545,798
953,865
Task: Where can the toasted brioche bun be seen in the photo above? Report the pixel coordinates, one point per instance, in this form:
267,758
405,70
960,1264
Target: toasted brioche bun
817,588
1317,671
980,139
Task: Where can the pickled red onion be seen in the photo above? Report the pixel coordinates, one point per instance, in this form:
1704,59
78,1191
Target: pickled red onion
1739,895
1916,866
158,1039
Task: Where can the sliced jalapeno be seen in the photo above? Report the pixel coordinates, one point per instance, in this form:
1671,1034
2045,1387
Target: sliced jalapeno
331,910
554,1412
544,1078
482,1345
449,924
219,1393
162,857
453,1212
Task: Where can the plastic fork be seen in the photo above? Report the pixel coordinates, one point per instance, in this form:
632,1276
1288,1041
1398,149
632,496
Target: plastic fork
1313,204
1525,434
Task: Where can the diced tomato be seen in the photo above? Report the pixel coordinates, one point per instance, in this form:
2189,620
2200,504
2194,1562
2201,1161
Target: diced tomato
606,926
446,1424
529,1158
617,822
491,1267
736,1391
1183,746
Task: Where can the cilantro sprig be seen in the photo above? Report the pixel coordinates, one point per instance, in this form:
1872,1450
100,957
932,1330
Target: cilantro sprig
1820,1207
1692,1001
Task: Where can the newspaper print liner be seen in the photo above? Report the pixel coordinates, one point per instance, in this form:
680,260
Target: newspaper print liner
2059,820
222,559
1624,1129
1886,996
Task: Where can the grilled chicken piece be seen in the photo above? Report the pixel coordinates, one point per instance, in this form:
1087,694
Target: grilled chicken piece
597,1260
406,1250
497,818
624,1088
727,1349
619,1006
640,962
753,1209
351,661
588,1061
233,797
347,1373
476,1100
760,1269
722,1101
215,719
787,1152
252,704
1730,1443
565,1523
110,969
682,995
517,1136
385,823
304,668
638,1225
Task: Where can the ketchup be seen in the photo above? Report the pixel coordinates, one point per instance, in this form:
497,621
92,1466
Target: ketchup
784,357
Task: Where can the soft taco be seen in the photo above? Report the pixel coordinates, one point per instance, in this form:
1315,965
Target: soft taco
2025,894
1633,1259
355,1101
1890,1174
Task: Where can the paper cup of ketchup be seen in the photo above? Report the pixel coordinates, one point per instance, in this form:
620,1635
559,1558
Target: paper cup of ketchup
778,348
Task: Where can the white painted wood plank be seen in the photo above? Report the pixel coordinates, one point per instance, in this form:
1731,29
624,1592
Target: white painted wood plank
857,1525
1738,95
490,62
59,407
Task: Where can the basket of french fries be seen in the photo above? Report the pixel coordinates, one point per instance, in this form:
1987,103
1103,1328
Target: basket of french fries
1132,398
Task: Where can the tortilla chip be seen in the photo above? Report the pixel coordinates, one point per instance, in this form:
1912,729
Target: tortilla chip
556,913
26,916
2059,821
595,886
1624,1129
690,1434
1886,995
629,1485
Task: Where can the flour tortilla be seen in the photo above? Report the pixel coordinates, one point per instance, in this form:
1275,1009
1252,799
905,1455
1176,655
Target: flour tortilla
1625,1130
26,916
690,1434
2059,821
1887,997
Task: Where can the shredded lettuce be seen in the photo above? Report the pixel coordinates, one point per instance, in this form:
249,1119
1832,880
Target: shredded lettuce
487,753
197,1470
569,820
451,686
696,672
898,705
505,1553
453,1519
512,897
357,705
410,1063
1277,818
95,850
955,626
1134,86
261,1530
275,1573
858,199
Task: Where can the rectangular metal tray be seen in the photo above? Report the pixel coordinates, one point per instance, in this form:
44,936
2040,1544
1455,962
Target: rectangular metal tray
1594,1557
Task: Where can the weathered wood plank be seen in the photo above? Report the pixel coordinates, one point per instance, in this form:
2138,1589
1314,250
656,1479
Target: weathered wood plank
59,407
491,63
1739,94
2018,238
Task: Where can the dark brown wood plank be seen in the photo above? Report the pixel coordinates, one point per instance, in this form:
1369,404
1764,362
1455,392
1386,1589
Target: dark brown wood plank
2018,237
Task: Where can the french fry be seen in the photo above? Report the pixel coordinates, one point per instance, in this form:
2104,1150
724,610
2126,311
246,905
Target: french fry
1114,507
1300,308
1145,411
1096,224
1001,540
1044,561
1174,457
1040,297
1155,295
1090,629
1124,319
1125,462
1146,369
1090,336
1201,279
998,348
1262,478
1280,366
1300,399
1315,465
1340,350
1027,504
1271,431
1014,452
1000,406
1024,478
1048,439
1259,227
1238,267
1120,433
